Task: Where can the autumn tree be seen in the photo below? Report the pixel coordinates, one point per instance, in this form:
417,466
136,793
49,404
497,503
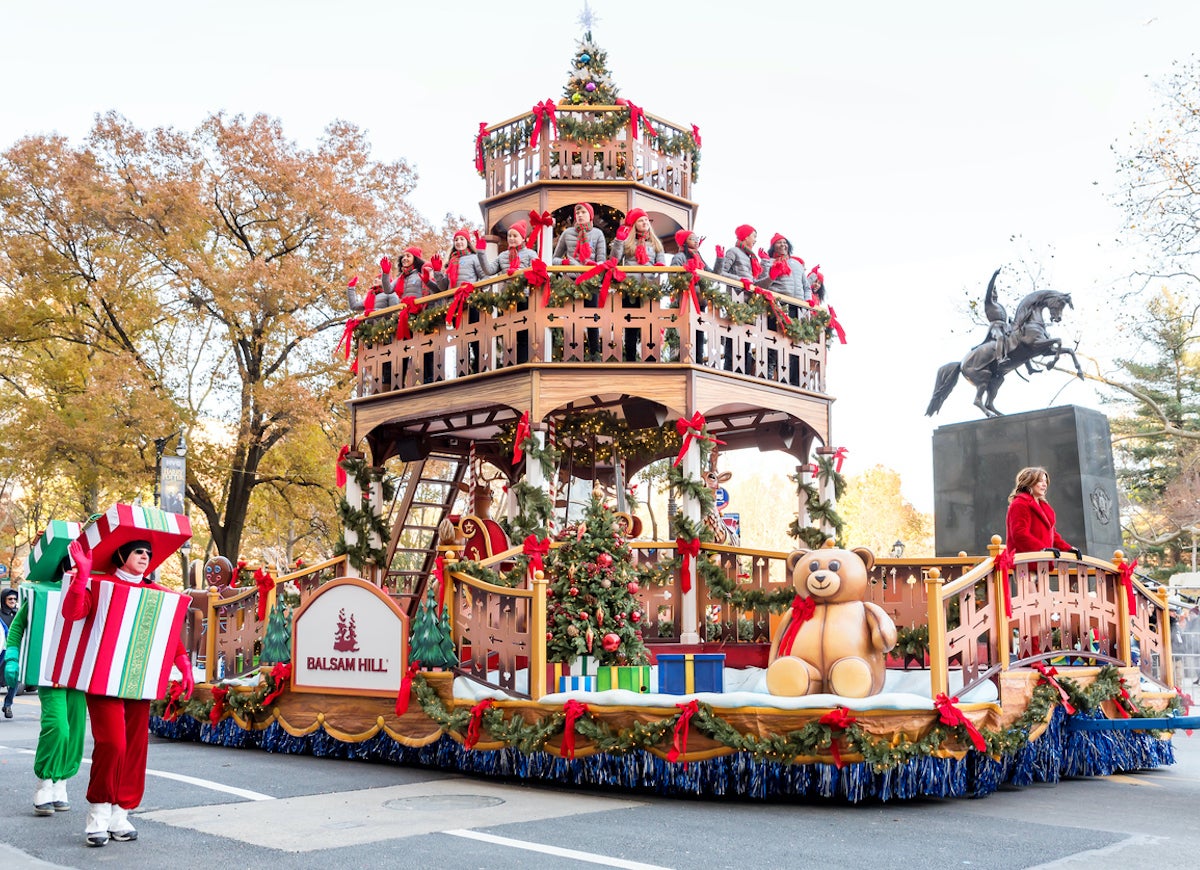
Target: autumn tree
877,515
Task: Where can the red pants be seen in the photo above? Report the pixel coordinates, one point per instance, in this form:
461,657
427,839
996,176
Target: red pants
120,731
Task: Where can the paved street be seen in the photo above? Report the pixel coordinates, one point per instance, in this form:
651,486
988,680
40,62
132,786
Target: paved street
246,808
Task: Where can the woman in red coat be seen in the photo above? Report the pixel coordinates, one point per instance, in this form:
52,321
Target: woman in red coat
1030,521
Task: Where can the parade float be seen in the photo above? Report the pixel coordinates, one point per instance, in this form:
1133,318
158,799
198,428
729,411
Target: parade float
501,606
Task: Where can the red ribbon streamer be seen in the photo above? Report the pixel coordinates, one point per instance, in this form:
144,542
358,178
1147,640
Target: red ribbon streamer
836,325
537,276
218,707
574,711
951,715
479,137
1004,564
409,306
523,432
538,222
637,117
542,112
696,135
174,693
535,549
689,429
837,720
476,719
802,611
281,673
689,295
609,270
458,305
341,472
680,740
1124,697
346,342
405,693
1048,675
1127,582
265,583
689,549
767,295
838,456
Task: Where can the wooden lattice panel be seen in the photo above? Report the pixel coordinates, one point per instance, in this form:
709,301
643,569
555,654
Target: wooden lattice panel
1147,627
1057,608
491,634
971,630
238,630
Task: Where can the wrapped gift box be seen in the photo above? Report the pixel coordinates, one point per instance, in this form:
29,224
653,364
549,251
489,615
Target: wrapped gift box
44,602
635,678
577,684
686,674
582,666
123,523
124,647
46,555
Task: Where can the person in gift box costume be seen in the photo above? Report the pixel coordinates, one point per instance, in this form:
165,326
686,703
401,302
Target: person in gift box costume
120,726
63,718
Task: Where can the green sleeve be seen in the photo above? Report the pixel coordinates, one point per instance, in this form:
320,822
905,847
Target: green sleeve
17,630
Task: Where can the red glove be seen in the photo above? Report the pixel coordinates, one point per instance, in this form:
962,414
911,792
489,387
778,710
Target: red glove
425,274
763,255
353,282
480,241
385,266
720,251
623,233
81,553
436,262
185,674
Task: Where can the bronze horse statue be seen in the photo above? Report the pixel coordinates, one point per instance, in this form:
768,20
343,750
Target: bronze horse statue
1010,344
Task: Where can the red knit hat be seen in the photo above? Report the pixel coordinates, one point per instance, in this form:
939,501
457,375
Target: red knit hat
778,237
521,227
466,234
591,211
743,232
816,273
681,238
415,251
634,214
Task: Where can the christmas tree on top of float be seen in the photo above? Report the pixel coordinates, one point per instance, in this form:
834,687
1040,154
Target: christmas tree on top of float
588,81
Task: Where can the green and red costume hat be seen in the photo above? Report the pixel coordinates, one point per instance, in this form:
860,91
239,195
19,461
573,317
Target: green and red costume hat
123,523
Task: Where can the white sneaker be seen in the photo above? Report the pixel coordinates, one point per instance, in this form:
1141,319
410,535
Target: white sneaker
96,831
119,827
61,802
43,798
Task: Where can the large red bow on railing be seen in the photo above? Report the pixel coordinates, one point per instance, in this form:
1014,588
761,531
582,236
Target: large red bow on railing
689,429
689,548
408,307
219,694
680,739
476,719
836,325
837,720
479,137
405,693
523,432
535,548
265,583
802,611
1127,582
280,674
542,112
537,223
609,270
341,472
637,118
951,715
537,276
769,297
573,710
689,295
1004,564
696,134
454,313
1048,675
346,342
839,456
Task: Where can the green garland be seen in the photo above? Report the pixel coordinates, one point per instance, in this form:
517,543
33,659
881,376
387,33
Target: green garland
580,130
814,537
362,519
534,511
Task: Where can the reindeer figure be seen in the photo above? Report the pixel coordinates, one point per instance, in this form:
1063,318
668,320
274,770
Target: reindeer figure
713,479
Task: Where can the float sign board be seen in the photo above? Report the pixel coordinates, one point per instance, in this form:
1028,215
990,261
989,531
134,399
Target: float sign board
349,638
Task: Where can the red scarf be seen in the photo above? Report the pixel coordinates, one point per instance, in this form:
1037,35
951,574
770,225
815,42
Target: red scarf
452,268
583,251
755,266
640,254
514,260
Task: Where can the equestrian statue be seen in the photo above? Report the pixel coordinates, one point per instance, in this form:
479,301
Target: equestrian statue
1010,344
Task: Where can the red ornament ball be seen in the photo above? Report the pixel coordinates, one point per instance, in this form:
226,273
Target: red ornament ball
583,614
549,635
611,642
633,587
604,560
635,616
574,590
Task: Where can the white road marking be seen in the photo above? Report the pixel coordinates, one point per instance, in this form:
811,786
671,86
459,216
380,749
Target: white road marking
179,777
556,851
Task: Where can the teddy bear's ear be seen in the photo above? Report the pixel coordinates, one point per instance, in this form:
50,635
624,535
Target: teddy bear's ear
794,557
866,555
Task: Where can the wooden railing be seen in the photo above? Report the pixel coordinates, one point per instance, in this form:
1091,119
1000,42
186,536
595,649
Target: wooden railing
651,331
663,162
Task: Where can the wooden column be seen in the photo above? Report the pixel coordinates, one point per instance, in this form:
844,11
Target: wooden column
689,623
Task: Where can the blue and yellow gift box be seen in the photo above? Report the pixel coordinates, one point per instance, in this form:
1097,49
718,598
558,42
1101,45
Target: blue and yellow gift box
689,673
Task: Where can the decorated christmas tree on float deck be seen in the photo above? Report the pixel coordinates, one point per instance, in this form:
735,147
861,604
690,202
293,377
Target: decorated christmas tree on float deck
431,644
592,608
277,641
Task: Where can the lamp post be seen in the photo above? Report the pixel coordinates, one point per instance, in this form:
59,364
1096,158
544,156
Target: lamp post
897,549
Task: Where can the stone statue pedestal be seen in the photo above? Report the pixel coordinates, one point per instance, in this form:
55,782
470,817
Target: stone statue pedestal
975,463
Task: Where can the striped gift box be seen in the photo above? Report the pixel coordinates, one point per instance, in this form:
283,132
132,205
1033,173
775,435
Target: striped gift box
688,673
43,560
44,602
635,678
122,523
124,647
577,684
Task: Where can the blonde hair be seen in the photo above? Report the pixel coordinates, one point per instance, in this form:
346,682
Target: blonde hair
1026,478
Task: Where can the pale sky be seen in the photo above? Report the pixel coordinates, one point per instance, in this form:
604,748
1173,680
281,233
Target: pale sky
901,146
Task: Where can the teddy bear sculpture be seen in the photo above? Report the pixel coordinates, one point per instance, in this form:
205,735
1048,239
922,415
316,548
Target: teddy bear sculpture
831,641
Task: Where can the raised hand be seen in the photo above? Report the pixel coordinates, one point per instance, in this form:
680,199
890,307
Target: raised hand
436,262
623,233
385,266
480,241
81,553
720,252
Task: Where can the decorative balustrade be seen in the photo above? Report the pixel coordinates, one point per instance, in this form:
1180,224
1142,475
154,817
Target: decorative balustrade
592,143
504,322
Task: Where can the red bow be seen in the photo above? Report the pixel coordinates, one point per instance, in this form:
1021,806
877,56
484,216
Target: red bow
280,674
802,611
1004,564
537,276
636,115
812,468
541,112
458,305
1121,708
218,707
769,297
574,710
523,432
689,295
347,339
480,136
405,693
609,270
341,472
535,549
369,303
265,583
689,429
174,693
1048,675
408,306
476,719
538,222
696,134
1127,582
689,549
951,715
836,325
679,743
439,574
838,456
837,720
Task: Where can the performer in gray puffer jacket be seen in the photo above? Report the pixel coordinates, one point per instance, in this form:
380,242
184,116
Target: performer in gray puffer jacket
689,249
518,256
636,244
411,279
464,266
582,243
740,261
786,272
